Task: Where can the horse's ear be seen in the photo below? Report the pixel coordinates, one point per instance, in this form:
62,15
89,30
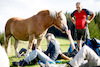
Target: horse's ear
59,13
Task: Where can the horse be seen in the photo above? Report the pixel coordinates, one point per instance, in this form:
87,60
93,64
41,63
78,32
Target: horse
33,28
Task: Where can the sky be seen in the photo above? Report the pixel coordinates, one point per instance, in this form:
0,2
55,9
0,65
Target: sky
27,8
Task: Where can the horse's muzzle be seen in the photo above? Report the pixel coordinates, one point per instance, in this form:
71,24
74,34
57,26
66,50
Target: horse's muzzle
64,29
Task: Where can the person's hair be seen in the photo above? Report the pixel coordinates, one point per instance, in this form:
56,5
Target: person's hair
50,37
78,3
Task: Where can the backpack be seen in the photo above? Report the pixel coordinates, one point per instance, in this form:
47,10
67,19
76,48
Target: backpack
94,44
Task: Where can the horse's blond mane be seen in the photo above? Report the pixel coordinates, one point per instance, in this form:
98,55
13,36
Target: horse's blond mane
53,13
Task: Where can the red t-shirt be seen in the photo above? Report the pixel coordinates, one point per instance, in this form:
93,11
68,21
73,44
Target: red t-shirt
81,18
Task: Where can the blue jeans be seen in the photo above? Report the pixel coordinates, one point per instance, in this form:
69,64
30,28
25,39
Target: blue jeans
37,53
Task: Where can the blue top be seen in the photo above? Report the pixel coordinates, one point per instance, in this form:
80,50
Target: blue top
53,49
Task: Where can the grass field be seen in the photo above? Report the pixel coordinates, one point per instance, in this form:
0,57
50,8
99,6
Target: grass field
64,47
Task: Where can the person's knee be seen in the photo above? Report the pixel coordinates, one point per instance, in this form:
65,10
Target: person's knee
85,47
78,42
36,50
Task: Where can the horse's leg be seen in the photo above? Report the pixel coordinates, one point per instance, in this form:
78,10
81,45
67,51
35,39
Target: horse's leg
6,44
31,42
38,44
39,40
16,48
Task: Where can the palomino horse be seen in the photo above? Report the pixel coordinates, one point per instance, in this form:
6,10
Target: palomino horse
34,27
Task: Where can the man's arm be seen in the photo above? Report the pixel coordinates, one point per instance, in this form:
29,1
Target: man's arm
65,57
70,39
49,48
91,18
73,20
92,14
72,17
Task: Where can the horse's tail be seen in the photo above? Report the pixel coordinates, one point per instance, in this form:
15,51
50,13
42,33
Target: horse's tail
8,47
9,44
7,41
8,35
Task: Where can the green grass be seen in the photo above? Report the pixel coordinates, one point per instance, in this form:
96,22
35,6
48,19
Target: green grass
64,47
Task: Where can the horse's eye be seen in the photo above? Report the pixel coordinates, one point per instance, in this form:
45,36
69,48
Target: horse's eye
60,18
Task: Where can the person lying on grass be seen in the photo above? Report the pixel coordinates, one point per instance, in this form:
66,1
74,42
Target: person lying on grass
53,51
85,53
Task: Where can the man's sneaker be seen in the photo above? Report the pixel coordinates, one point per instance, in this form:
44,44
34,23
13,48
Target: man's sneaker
42,64
21,63
75,51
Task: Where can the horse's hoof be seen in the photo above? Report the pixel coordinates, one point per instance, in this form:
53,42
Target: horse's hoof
19,56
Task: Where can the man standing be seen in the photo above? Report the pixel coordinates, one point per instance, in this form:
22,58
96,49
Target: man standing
79,19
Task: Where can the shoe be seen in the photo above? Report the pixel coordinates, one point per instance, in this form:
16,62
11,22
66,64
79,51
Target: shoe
75,51
15,63
41,64
21,63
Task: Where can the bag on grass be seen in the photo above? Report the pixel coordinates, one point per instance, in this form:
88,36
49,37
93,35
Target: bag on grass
94,44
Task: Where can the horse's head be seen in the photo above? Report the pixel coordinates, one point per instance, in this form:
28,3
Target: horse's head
61,22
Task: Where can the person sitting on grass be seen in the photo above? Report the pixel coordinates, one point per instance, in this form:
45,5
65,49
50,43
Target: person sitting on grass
53,50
